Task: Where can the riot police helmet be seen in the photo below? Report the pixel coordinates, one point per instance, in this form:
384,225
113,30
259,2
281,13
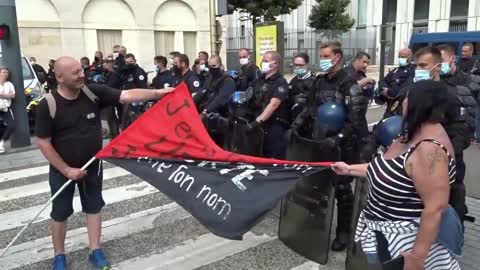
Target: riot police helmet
388,130
238,106
331,117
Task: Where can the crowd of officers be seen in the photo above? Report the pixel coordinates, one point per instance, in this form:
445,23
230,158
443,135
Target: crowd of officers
266,110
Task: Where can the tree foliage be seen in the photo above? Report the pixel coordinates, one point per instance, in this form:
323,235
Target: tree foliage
331,15
268,9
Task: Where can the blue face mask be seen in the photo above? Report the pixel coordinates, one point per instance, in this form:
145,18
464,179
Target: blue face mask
326,64
300,71
422,75
402,62
446,69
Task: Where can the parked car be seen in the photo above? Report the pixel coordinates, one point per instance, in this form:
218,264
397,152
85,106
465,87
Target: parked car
33,90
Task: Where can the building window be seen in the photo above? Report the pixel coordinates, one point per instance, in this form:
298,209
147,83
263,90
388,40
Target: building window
106,39
362,13
242,30
190,45
164,42
422,10
459,8
421,27
391,11
459,16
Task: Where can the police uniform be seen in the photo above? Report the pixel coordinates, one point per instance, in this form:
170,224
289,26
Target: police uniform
219,91
133,77
360,75
213,101
275,145
162,78
248,75
342,89
298,90
192,81
460,127
466,64
395,81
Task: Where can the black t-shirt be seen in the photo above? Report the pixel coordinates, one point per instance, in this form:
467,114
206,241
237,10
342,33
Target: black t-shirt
76,130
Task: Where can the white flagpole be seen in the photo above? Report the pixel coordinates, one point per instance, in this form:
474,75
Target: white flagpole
45,206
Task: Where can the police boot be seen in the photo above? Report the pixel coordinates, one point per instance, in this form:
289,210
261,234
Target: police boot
344,196
340,242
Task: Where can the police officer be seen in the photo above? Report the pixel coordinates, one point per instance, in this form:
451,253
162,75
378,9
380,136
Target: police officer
301,85
460,82
396,80
270,100
467,62
249,72
133,76
183,73
203,66
219,87
87,69
358,69
337,86
428,67
164,77
213,104
114,80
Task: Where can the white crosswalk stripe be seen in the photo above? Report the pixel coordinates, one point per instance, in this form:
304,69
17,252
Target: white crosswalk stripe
142,229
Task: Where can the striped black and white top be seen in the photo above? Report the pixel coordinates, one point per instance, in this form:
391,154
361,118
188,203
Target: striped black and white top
394,208
392,194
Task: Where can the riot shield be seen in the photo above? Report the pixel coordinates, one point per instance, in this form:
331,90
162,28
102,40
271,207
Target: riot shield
217,127
307,211
243,140
356,259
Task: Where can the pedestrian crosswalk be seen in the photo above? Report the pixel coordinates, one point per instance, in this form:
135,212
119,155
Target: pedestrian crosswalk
142,229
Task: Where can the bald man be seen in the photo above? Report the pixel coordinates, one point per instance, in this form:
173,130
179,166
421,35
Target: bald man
395,81
70,139
467,61
271,93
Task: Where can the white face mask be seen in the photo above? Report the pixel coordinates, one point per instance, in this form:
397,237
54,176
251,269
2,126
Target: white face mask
203,67
244,61
115,55
266,67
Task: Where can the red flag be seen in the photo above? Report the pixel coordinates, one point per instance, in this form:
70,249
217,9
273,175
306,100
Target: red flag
172,129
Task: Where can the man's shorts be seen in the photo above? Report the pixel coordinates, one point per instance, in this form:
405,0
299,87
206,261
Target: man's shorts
90,191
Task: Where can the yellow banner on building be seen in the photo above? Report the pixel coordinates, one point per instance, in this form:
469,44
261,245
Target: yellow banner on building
265,40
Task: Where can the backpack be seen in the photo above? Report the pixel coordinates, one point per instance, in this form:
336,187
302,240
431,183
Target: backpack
52,104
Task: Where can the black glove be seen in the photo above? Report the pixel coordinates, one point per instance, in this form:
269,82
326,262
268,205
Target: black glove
367,153
289,134
204,115
333,141
253,125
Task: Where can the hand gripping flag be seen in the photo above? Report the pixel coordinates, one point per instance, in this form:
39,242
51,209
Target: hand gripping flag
228,193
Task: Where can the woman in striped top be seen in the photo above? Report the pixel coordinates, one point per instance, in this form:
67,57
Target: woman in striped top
407,204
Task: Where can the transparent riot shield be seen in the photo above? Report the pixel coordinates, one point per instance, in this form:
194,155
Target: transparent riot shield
356,259
307,211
